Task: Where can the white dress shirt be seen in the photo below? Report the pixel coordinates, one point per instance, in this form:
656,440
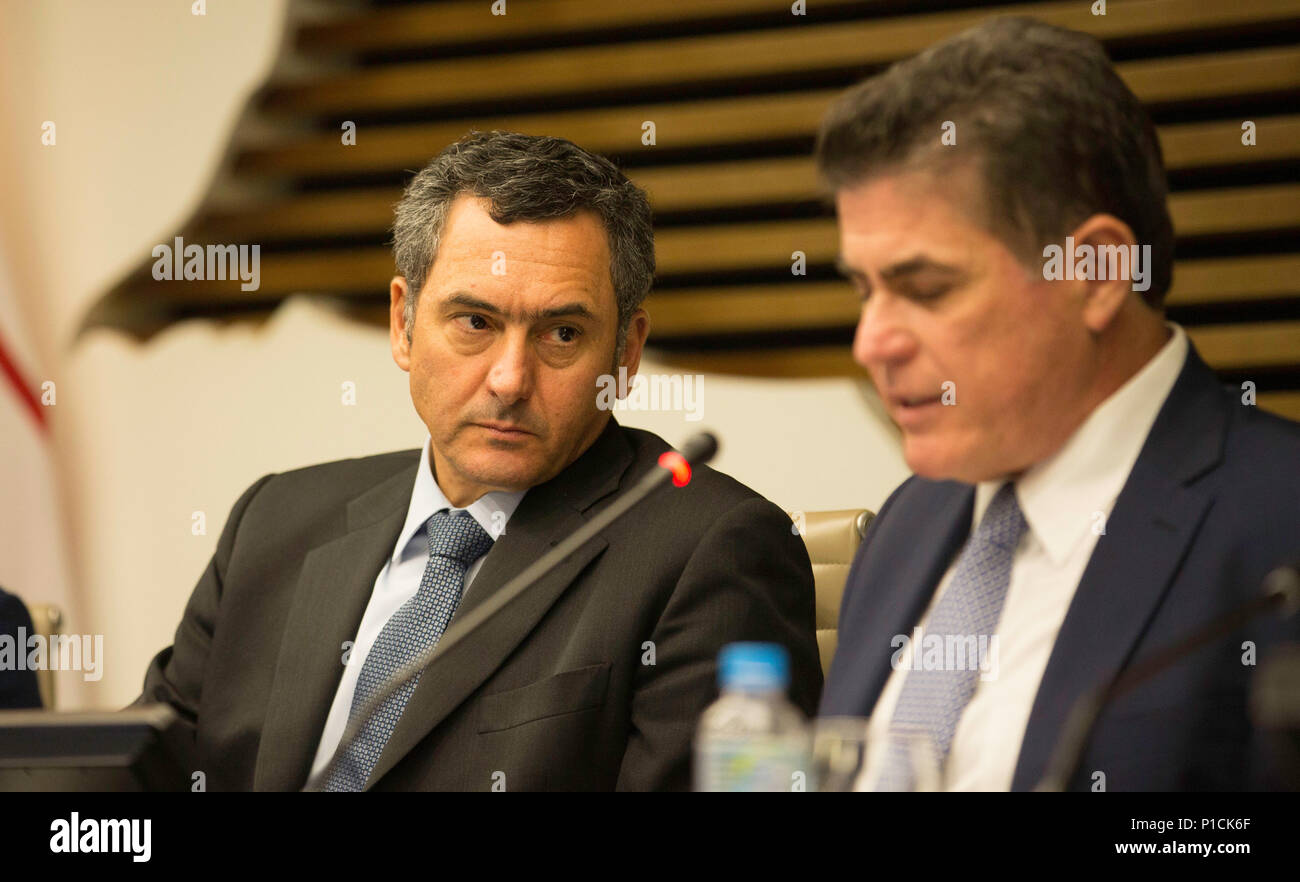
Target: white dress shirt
399,581
1066,500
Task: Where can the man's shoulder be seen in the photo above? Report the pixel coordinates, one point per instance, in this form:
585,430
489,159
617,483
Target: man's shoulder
1257,432
358,467
1257,481
709,488
713,511
341,478
1254,441
303,505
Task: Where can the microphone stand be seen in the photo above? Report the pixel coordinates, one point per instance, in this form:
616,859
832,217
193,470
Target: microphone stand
1281,593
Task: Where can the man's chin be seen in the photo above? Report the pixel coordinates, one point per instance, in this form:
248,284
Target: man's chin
937,462
489,470
949,466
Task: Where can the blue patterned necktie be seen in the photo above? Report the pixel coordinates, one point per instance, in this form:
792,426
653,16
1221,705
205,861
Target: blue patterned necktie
932,701
455,541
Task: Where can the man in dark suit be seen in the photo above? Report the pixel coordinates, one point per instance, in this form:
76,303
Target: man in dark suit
523,262
1086,492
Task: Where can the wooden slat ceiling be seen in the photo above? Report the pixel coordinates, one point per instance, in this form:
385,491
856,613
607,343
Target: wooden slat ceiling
736,89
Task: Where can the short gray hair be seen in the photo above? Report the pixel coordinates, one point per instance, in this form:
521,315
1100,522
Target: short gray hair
1054,132
527,178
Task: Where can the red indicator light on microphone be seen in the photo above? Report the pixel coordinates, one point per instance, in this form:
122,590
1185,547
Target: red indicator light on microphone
677,464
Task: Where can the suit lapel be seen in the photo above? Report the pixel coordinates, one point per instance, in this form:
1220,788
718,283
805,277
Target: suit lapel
1154,521
333,590
546,515
901,598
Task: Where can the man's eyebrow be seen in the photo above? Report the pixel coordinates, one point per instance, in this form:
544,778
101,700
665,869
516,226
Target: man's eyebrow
902,268
564,310
916,265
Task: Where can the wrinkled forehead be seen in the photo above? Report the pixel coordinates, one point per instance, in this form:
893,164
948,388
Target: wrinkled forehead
570,253
902,212
469,224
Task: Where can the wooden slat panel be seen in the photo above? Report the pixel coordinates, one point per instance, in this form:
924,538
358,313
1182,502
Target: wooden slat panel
360,269
730,184
727,55
1236,209
1285,404
1241,347
1196,145
1227,279
682,250
370,211
735,246
749,182
752,308
467,21
1258,71
335,213
1229,347
681,124
856,45
688,124
788,362
704,309
713,310
738,246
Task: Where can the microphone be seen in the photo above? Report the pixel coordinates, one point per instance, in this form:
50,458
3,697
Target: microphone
673,465
1281,594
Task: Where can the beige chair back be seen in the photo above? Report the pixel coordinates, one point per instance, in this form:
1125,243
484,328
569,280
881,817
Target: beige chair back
832,538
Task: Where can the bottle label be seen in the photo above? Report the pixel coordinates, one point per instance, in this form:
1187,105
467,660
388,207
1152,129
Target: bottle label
751,764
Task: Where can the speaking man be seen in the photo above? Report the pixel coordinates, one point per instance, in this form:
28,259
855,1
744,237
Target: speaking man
523,262
1086,492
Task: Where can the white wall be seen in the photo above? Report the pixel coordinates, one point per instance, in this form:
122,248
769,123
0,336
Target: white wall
144,95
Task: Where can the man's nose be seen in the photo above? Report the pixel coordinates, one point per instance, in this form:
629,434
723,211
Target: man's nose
510,378
881,338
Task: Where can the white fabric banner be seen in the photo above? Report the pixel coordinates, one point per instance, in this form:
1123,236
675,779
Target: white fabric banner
33,549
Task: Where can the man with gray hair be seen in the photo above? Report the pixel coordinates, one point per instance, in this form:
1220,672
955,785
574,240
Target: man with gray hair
1086,493
522,266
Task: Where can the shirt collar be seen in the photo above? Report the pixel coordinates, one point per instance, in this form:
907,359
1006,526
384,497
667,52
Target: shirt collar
1067,494
491,510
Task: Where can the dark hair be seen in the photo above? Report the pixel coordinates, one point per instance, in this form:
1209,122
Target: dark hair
527,178
1054,134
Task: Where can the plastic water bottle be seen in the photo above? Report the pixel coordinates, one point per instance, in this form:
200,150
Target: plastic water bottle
752,738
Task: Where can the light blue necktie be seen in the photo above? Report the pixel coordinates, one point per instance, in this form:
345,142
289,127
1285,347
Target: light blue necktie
455,541
932,701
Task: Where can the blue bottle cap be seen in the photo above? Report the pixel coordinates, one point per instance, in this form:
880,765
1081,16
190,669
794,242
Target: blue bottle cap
754,667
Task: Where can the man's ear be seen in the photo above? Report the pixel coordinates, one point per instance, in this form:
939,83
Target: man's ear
397,323
1106,235
638,328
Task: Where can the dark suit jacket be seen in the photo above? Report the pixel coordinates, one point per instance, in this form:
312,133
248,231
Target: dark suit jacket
1211,506
553,693
18,689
